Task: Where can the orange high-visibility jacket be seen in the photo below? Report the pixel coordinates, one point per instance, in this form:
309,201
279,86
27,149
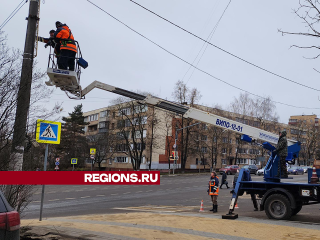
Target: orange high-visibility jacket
66,38
214,186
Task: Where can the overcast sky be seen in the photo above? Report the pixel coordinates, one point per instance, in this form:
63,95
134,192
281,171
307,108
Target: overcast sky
120,57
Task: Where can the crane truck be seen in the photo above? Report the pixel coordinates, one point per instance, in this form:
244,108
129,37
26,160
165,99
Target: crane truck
279,199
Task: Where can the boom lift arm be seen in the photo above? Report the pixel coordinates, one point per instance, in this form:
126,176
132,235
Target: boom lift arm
249,132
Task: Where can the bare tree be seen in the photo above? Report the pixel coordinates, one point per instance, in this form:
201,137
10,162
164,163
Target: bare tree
131,126
10,73
105,143
183,95
309,12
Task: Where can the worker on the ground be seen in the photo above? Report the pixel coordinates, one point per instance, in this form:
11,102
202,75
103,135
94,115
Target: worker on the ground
213,191
68,48
282,152
51,42
224,179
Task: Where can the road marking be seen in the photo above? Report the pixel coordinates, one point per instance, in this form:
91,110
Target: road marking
66,191
85,197
144,210
79,190
126,193
139,191
149,191
51,192
70,198
100,195
114,194
53,200
35,201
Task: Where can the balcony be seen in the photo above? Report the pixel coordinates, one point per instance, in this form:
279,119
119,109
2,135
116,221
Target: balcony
103,130
103,119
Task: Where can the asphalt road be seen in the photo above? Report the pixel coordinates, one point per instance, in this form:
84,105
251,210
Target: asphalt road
175,194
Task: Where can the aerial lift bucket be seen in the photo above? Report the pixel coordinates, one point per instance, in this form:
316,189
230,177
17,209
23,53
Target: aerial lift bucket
68,81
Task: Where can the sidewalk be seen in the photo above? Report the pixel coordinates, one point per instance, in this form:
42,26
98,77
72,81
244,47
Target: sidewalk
148,225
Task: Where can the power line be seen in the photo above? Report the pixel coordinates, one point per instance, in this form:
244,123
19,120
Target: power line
209,37
12,14
289,105
214,9
246,61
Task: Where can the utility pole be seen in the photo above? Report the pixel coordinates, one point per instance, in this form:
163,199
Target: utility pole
23,100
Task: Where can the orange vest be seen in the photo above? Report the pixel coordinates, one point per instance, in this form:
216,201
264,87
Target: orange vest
66,38
213,189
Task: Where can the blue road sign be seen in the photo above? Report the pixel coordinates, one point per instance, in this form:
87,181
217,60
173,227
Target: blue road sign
57,163
74,160
48,132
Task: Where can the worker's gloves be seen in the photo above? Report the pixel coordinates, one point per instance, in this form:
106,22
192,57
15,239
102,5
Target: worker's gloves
47,44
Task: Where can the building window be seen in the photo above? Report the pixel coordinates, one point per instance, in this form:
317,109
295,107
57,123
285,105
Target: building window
112,125
224,150
127,123
121,159
224,161
93,128
138,134
241,150
242,161
140,108
140,120
204,137
294,131
124,111
93,117
120,123
204,149
254,151
256,124
121,147
139,146
85,119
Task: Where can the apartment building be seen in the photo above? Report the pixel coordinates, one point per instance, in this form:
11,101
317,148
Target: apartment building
304,128
119,119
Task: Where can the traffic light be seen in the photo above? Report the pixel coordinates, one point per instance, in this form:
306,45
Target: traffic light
172,157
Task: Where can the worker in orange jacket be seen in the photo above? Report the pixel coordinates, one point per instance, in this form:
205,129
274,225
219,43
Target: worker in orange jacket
68,48
213,191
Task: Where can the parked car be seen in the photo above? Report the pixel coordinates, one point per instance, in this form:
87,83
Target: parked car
295,170
260,171
252,168
305,168
231,169
9,221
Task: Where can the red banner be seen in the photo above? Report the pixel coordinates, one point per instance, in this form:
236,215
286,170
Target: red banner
80,178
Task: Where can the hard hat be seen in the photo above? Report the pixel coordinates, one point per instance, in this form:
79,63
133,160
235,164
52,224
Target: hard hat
58,24
52,31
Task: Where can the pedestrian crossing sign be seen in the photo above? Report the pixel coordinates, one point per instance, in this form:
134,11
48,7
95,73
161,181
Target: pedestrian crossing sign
48,132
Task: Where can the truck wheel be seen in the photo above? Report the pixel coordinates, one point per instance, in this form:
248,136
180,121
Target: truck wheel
296,210
278,207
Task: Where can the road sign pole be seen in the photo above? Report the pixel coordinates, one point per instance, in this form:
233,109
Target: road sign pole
72,167
44,169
